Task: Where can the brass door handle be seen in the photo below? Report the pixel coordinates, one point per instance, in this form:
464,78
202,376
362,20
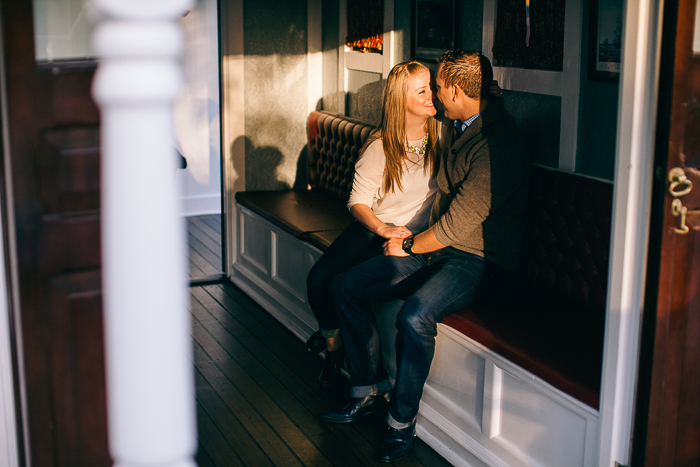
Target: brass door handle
680,185
678,210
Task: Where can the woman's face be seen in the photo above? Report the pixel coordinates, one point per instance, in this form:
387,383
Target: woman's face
419,101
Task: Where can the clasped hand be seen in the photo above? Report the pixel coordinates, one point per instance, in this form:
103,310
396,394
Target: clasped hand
394,247
394,235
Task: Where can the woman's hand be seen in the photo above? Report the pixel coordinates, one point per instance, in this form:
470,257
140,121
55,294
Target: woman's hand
388,231
364,214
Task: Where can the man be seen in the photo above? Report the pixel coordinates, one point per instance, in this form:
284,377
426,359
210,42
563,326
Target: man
475,223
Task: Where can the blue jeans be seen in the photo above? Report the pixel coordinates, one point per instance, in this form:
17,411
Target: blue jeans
434,285
355,245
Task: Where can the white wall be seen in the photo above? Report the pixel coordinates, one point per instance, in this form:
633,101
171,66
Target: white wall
61,29
197,114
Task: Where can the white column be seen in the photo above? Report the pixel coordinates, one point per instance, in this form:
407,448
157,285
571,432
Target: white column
148,351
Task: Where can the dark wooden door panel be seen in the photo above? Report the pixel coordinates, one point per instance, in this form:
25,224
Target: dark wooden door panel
669,408
688,438
74,305
53,135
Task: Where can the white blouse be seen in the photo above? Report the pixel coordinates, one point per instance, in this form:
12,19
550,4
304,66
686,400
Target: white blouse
409,207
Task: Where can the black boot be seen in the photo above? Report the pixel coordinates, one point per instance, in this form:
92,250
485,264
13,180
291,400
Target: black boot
397,443
330,375
316,343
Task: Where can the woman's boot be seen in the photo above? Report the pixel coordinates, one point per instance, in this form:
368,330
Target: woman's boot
316,343
330,375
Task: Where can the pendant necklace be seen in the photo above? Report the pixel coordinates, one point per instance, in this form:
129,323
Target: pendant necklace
420,150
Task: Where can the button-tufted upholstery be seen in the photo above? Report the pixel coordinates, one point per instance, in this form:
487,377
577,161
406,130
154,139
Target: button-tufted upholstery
334,147
548,316
318,214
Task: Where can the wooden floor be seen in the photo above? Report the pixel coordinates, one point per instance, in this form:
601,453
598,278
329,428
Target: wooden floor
258,397
204,241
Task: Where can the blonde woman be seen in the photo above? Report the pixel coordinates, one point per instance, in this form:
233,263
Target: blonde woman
392,194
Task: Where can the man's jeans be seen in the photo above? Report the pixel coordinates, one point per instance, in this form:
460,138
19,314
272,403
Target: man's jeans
436,285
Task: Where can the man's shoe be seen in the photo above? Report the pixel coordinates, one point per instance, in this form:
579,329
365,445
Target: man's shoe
353,410
397,443
330,375
316,343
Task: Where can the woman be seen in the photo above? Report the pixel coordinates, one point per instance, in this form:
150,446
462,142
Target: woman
392,194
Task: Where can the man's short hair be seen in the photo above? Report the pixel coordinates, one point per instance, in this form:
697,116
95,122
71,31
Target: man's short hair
470,70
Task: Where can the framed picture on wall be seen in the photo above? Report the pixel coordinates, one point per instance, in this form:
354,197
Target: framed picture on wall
433,28
605,43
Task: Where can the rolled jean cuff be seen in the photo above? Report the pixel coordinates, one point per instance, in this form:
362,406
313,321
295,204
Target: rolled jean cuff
330,333
372,390
397,425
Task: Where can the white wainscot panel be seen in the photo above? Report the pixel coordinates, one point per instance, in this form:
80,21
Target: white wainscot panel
456,384
538,429
271,267
479,409
291,262
254,244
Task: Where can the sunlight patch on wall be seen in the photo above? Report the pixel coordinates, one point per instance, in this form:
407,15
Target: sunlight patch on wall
275,125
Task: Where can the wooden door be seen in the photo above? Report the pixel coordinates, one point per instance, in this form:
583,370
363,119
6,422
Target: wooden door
668,426
53,189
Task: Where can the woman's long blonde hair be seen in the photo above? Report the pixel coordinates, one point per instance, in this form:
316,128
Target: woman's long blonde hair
392,126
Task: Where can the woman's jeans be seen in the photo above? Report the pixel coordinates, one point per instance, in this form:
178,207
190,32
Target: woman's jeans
433,285
355,245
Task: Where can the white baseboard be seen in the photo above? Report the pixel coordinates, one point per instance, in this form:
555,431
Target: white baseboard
199,205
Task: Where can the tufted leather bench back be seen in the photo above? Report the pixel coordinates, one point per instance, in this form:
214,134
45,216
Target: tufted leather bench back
334,146
567,241
548,316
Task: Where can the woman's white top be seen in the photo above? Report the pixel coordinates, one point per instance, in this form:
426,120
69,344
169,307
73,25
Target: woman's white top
409,207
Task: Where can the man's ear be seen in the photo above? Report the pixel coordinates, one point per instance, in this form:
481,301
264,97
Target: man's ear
455,92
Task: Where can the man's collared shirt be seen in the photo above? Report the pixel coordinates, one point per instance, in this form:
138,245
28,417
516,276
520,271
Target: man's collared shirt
461,126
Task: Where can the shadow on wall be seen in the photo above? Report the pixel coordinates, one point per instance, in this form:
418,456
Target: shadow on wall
263,164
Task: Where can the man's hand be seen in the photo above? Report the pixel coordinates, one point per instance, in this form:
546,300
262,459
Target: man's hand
393,247
387,231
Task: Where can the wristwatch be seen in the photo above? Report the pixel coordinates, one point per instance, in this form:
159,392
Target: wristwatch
407,245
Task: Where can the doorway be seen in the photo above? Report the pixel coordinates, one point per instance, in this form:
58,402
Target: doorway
197,133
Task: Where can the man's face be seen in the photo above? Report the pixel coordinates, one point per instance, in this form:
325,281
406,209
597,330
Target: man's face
445,95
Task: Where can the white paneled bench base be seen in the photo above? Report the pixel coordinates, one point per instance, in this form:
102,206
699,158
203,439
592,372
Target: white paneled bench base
479,409
271,267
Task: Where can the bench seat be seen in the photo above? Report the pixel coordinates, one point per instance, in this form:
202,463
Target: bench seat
546,350
549,316
516,378
300,213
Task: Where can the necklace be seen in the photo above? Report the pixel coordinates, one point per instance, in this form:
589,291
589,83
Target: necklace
420,150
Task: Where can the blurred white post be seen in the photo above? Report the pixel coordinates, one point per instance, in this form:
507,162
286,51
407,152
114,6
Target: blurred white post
150,381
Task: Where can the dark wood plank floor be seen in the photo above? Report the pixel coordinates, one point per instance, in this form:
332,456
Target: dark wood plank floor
258,397
204,241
